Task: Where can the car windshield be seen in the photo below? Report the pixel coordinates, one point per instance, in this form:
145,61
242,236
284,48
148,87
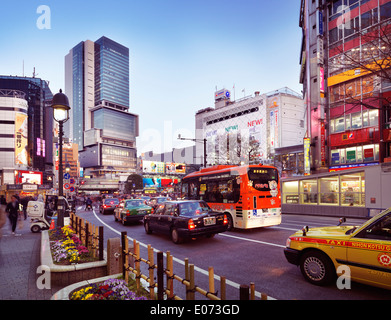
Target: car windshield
111,201
190,209
134,203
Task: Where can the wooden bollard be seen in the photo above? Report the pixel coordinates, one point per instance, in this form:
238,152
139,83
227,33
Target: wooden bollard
222,288
252,291
160,272
101,247
211,280
124,238
192,282
170,267
126,260
244,292
187,277
151,273
137,264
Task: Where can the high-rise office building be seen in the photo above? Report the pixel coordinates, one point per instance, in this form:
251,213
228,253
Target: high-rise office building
345,71
97,85
37,154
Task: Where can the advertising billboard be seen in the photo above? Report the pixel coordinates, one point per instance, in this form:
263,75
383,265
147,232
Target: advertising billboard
33,177
21,132
174,168
153,167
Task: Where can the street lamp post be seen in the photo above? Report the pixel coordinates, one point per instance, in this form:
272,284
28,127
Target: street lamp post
196,140
60,105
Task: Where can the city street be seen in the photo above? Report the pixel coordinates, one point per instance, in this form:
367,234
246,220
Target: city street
242,256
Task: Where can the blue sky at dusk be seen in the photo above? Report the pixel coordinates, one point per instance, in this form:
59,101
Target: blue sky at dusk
180,50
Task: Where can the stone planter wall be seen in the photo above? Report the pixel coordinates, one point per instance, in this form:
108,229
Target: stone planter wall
66,275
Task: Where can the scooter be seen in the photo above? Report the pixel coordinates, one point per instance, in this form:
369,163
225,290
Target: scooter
89,206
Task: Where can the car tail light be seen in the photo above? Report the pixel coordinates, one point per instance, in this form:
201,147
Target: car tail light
106,206
152,210
191,224
225,219
127,213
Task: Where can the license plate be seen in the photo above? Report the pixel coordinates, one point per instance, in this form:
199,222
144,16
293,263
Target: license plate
209,221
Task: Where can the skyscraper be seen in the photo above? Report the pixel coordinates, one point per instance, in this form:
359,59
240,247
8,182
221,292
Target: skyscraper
97,85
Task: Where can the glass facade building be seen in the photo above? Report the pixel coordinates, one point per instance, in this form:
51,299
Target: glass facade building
97,84
78,94
111,72
115,124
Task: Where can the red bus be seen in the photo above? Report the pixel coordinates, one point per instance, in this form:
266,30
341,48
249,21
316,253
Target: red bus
249,195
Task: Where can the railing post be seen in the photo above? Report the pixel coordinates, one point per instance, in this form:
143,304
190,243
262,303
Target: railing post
101,243
160,271
252,291
211,280
244,292
192,282
126,260
136,246
87,234
123,239
151,273
222,287
170,279
187,277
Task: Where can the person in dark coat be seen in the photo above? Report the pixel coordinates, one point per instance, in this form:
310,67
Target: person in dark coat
13,211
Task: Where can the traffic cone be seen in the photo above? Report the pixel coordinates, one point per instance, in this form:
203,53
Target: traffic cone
52,226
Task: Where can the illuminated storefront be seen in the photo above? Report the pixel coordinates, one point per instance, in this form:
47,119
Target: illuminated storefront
348,192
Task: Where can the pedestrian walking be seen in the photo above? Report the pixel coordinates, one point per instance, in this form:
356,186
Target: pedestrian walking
13,213
3,214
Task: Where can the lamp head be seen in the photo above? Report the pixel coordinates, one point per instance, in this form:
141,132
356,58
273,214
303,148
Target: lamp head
60,105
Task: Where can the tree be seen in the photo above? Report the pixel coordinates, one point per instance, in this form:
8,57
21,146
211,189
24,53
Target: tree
367,65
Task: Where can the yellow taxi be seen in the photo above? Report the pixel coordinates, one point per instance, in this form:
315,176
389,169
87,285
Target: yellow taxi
365,249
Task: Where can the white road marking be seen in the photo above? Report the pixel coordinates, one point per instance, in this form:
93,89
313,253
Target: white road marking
204,272
251,240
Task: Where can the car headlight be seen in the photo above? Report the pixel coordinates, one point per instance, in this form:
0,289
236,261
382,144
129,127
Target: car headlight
288,242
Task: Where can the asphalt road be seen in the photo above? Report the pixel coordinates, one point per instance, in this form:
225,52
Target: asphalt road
242,256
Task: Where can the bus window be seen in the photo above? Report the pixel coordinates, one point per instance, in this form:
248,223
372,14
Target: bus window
193,190
263,179
185,190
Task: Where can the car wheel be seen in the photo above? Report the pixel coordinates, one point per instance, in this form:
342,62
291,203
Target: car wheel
147,228
175,236
230,222
123,222
317,268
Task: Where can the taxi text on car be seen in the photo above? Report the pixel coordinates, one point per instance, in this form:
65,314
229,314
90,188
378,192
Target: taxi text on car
365,249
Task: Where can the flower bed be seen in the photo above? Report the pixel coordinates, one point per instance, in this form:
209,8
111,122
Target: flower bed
111,289
67,248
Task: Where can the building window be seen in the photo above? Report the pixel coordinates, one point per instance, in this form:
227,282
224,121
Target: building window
308,191
385,11
353,189
356,120
329,191
290,192
351,155
347,122
373,118
339,124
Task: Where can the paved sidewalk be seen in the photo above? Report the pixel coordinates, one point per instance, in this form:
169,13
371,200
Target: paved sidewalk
19,260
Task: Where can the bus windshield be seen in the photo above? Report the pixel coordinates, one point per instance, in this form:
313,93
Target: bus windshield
263,179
